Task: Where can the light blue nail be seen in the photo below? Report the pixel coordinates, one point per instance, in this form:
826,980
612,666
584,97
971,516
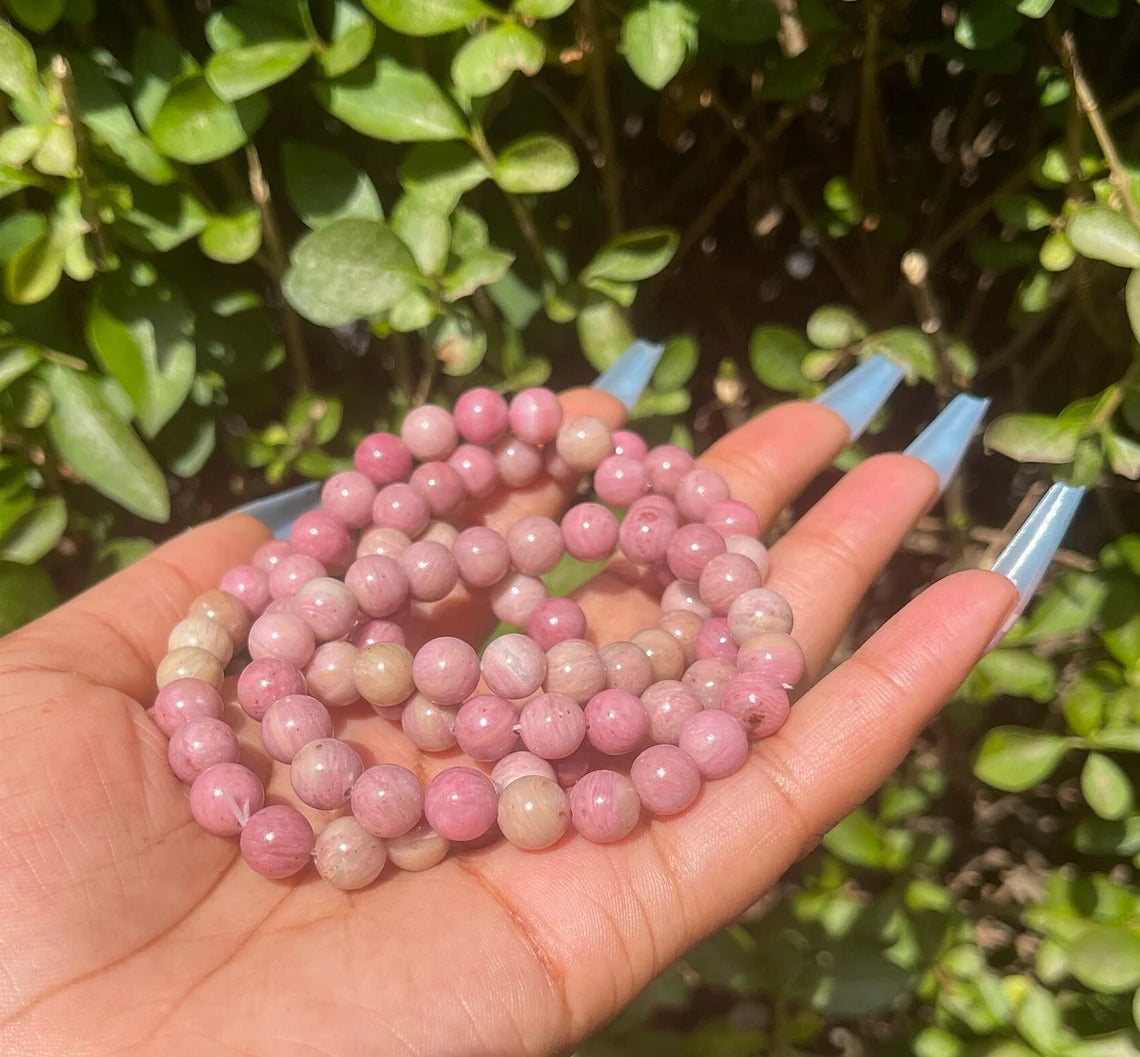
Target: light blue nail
861,392
278,512
943,443
629,376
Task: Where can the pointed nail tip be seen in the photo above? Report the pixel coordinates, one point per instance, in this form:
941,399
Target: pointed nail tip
944,443
278,512
627,378
861,392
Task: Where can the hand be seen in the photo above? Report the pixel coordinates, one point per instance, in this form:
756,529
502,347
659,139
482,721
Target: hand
126,929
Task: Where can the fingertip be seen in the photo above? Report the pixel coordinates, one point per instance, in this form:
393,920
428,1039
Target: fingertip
584,401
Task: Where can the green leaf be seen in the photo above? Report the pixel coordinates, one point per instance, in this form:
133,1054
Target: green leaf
1034,8
441,172
1019,673
19,77
26,592
481,268
1024,212
388,101
158,63
656,38
1034,438
350,40
1069,606
424,228
986,24
776,354
459,343
19,143
1106,788
677,364
426,18
1106,958
18,230
536,164
1057,253
856,840
35,532
162,218
234,236
936,1042
349,269
485,63
15,362
1038,1018
239,73
101,447
413,312
1083,707
469,232
542,8
603,332
37,15
56,154
910,349
33,272
1015,758
835,327
1105,235
195,126
323,185
633,256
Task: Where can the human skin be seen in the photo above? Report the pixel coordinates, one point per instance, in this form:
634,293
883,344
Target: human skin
127,930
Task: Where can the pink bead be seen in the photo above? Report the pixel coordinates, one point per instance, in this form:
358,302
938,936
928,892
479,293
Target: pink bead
716,742
515,598
715,640
250,585
321,536
432,571
270,553
481,416
535,545
514,666
518,463
570,769
590,532
646,533
369,632
347,855
441,532
552,726
282,635
323,772
731,517
327,606
277,841
554,620
417,850
482,556
666,780
264,681
485,727
383,458
348,497
666,465
329,674
604,806
627,667
683,594
535,415
617,722
691,549
426,725
620,479
378,583
446,670
697,492
429,432
476,469
401,507
520,765
387,800
684,626
224,797
574,667
182,700
757,702
461,803
758,610
669,704
708,679
440,486
774,655
752,549
382,541
557,468
290,723
725,578
291,573
583,442
631,444
198,744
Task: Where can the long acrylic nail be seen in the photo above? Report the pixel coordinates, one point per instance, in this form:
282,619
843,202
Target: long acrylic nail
861,392
278,512
628,377
943,443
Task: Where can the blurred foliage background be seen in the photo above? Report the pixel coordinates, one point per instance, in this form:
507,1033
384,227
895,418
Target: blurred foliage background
237,236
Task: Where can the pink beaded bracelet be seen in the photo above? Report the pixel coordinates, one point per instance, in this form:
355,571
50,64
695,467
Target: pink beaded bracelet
320,616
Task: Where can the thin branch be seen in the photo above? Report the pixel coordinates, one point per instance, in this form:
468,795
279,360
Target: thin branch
607,161
870,115
827,250
792,38
970,217
1029,333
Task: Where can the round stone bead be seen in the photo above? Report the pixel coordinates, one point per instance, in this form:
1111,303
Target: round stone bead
204,633
442,532
446,670
731,517
583,442
481,415
323,772
557,468
759,610
226,610
321,536
418,849
697,492
774,655
348,496
570,769
292,572
513,666
190,662
534,813
249,585
590,532
518,462
627,667
440,486
715,640
476,469
387,800
669,704
515,597
616,722
283,635
604,806
399,506
486,727
715,741
198,744
385,542
482,556
552,726
684,626
461,803
645,533
620,479
725,579
429,432
270,553
535,416
666,465
517,765
432,571
708,679
428,726
760,704
753,549
347,855
277,841
224,797
292,722
369,632
629,443
328,607
554,620
267,680
682,594
331,674
535,545
383,674
383,458
666,657
691,550
574,667
183,700
378,583
666,780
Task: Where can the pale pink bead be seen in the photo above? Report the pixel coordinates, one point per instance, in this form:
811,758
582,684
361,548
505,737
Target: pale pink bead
533,813
348,497
432,571
666,656
386,542
535,416
485,727
514,666
616,722
628,443
691,550
535,545
419,849
378,583
291,573
574,667
267,680
481,415
519,765
277,841
270,553
666,465
248,584
758,610
476,468
347,855
515,597
446,670
552,725
731,517
557,468
461,803
752,549
482,556
604,806
290,723
645,534
554,620
697,492
715,741
224,797
669,704
440,486
760,704
198,744
323,772
662,504
429,432
426,725
620,479
627,667
441,532
321,536
189,662
570,769
590,532
774,655
683,594
387,800
182,700
708,679
383,674
330,677
715,640
283,635
369,632
401,507
684,626
666,780
583,442
328,607
725,579
518,462
383,458
279,605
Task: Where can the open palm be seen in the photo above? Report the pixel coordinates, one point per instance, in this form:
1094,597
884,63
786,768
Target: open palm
126,929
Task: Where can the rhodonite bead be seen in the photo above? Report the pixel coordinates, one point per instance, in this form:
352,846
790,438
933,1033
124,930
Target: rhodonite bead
752,549
666,657
620,479
446,670
570,768
369,632
725,579
441,532
461,803
429,432
270,553
387,800
731,517
760,704
482,556
616,722
321,536
383,674
535,416
323,772
428,726
418,849
666,464
292,572
533,813
669,703
440,486
249,585
228,611
283,635
379,584
224,797
645,533
666,780
691,550
682,594
604,806
715,741
759,610
627,667
348,497
583,442
517,765
198,744
774,655
590,532
383,458
554,620
697,491
476,469
328,607
515,597
535,545
574,668
347,855
629,443
684,625
189,662
277,841
182,700
204,633
330,675
267,680
514,666
552,725
399,506
481,415
715,640
386,542
290,723
486,727
557,468
518,462
432,571
708,679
